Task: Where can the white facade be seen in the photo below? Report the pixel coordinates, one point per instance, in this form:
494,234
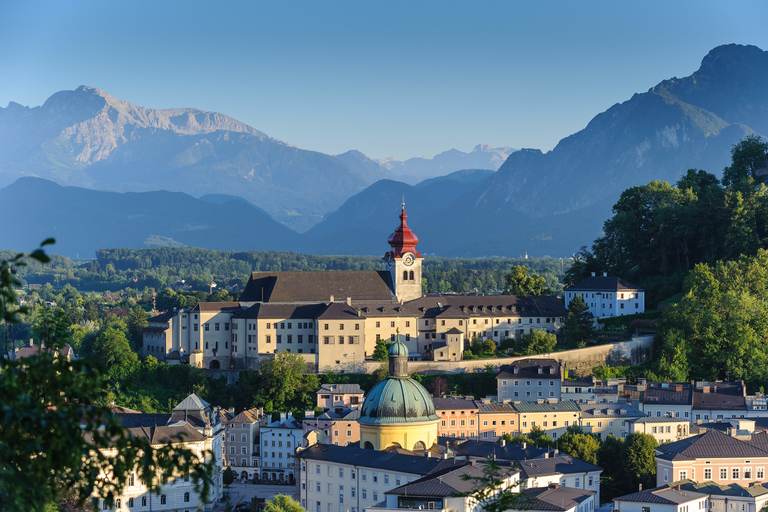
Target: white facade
607,296
279,441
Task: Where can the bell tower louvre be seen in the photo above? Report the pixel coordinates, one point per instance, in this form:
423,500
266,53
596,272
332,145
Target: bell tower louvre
404,261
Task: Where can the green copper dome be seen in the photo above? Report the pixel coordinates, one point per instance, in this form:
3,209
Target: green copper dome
398,398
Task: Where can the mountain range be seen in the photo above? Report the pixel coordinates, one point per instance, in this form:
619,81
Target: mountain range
542,203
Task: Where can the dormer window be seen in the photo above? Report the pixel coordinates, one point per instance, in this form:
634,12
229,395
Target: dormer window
515,369
540,370
551,371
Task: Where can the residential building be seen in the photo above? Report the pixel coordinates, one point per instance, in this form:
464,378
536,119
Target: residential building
241,442
552,417
279,441
438,490
495,419
530,380
728,497
339,396
66,352
608,296
578,390
339,426
606,419
757,405
664,429
673,399
334,478
458,417
733,458
663,500
555,498
719,400
564,470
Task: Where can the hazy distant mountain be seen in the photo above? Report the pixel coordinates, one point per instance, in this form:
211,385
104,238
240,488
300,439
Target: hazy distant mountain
84,220
552,203
365,221
88,138
415,170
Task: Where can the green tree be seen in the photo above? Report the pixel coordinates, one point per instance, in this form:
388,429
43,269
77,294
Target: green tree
538,342
51,407
581,446
519,282
578,325
612,483
490,489
748,157
228,476
282,381
137,321
539,437
283,503
381,350
489,346
112,349
638,458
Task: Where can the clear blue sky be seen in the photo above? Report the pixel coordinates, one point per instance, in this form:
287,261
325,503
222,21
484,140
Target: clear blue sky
388,78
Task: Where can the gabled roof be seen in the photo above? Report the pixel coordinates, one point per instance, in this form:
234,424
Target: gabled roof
167,434
418,465
454,402
503,306
529,369
444,483
555,498
611,410
560,465
716,489
562,406
720,396
711,444
247,416
662,496
192,403
132,420
34,350
343,389
214,306
603,284
484,449
667,393
318,286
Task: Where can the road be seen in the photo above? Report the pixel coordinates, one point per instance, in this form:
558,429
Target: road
243,493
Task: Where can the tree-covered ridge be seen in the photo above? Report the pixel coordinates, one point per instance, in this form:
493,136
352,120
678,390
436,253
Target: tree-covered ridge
158,268
659,232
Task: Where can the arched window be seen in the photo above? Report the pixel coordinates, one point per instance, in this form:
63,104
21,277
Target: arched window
419,446
130,502
118,503
162,499
410,276
143,501
368,445
186,497
405,275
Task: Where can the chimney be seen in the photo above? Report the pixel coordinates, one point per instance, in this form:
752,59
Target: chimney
349,301
678,388
31,342
309,414
677,487
524,445
331,298
282,416
359,313
503,442
546,455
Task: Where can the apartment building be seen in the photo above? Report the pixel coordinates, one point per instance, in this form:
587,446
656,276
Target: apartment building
241,442
335,396
338,426
552,417
458,417
530,380
606,419
608,296
279,441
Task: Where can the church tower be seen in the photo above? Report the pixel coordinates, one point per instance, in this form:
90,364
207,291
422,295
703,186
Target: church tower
404,262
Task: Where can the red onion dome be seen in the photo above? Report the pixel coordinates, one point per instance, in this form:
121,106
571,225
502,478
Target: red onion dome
403,239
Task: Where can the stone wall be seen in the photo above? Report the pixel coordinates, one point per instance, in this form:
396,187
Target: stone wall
625,353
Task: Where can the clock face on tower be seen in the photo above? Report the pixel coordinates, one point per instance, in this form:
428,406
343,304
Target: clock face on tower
408,260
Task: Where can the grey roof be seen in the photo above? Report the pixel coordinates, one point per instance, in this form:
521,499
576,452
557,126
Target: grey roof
554,497
192,403
603,284
721,395
609,410
354,455
662,497
445,482
466,306
562,406
562,464
662,393
163,317
484,449
716,489
582,383
131,420
318,286
346,414
657,419
712,444
347,389
529,369
282,311
454,402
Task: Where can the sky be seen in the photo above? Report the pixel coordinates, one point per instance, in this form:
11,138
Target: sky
390,79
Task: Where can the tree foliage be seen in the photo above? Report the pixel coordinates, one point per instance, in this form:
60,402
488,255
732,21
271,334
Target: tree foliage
56,439
638,458
538,342
579,445
520,282
579,322
283,503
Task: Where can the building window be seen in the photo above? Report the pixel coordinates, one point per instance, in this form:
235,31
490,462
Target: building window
735,474
163,499
723,473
